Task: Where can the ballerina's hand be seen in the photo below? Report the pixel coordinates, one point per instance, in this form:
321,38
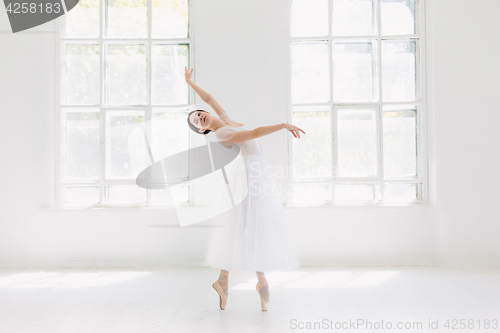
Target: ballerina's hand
294,129
188,72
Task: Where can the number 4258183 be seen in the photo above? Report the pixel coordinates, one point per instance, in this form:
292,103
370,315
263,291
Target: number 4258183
19,8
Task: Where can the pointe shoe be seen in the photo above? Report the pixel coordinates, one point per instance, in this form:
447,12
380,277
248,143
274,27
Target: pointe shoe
264,305
222,295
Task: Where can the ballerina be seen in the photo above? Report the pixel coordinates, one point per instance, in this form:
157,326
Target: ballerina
258,239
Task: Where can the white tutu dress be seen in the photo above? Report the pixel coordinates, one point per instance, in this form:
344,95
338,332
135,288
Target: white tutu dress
254,235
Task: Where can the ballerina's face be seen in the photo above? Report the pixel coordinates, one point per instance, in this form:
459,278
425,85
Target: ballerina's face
201,120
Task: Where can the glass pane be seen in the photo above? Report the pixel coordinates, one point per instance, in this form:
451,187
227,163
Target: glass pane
400,143
399,71
126,77
126,18
169,84
82,146
127,194
82,20
354,72
119,127
354,17
398,17
170,135
82,194
179,192
312,152
309,108
310,73
82,74
311,193
309,18
170,19
354,192
357,143
400,192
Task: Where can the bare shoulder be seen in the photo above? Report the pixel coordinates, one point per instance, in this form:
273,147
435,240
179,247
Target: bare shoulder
223,115
226,119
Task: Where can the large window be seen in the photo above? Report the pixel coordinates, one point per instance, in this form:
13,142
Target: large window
357,89
121,64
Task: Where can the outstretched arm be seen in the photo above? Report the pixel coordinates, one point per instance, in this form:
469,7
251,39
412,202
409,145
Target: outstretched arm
262,131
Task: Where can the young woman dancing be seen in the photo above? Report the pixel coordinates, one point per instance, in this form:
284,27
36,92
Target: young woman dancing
258,238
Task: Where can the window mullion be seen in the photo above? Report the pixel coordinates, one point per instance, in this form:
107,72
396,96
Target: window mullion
290,164
102,153
335,146
333,142
56,135
191,99
149,110
101,102
422,111
353,38
380,110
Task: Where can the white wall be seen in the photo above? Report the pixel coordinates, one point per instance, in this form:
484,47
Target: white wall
241,59
466,76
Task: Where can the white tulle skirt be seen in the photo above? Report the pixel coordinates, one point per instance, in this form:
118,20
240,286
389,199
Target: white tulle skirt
254,235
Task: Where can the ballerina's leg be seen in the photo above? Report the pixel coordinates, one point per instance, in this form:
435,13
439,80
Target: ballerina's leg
264,286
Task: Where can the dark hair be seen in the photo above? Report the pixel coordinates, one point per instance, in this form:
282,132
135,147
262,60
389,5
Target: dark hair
194,128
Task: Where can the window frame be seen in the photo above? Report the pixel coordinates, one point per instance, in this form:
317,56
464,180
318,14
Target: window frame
59,183
420,104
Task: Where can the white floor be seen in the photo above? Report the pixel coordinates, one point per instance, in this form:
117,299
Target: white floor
183,300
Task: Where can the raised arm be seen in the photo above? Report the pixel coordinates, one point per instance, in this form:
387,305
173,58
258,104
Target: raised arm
215,106
206,97
202,93
258,132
